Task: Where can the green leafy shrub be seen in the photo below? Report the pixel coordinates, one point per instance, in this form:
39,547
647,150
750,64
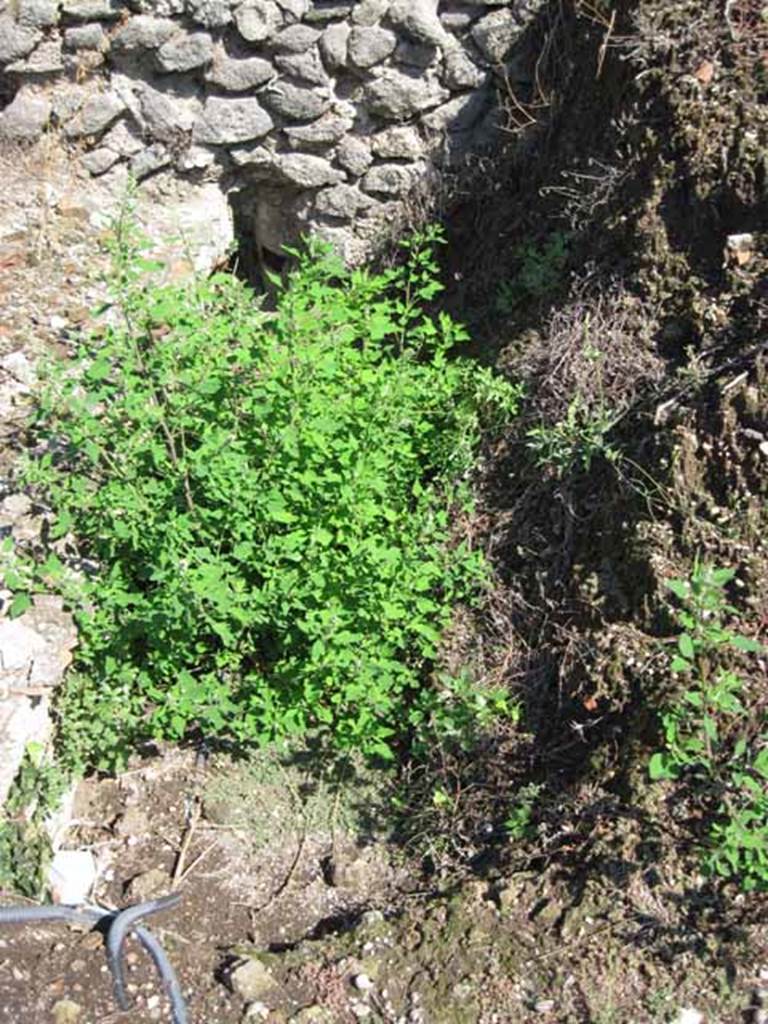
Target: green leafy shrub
25,846
264,500
709,735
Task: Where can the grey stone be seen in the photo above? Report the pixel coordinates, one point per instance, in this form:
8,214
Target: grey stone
93,10
122,140
321,11
389,179
457,20
370,45
36,647
148,885
354,155
25,117
159,8
418,18
369,12
66,101
225,120
85,37
308,171
144,33
342,201
333,44
163,115
37,13
495,33
295,8
211,13
400,143
257,20
196,158
416,55
296,102
45,60
253,156
305,66
236,75
99,160
398,96
327,130
149,160
96,114
296,39
459,114
459,72
185,51
252,980
16,40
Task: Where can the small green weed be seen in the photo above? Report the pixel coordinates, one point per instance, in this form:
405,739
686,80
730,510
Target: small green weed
24,843
539,274
575,442
519,824
709,738
266,501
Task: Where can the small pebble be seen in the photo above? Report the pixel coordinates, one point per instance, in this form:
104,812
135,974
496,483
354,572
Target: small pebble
362,983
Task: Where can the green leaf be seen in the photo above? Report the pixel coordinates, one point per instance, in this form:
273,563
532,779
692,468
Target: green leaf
685,646
744,643
19,604
660,767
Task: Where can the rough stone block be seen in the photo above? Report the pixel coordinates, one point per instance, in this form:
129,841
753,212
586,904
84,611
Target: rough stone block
93,10
495,33
294,101
25,117
257,20
149,160
389,179
297,9
459,114
308,171
307,67
16,40
296,39
99,160
369,12
85,37
326,131
400,143
211,13
96,114
459,72
368,46
144,33
185,51
419,19
342,201
163,115
333,45
238,75
228,119
354,155
37,13
45,60
398,96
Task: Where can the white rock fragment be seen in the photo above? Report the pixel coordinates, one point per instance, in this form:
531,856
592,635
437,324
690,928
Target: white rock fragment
71,876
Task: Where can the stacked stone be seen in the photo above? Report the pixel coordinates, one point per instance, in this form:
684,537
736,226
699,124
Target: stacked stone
329,113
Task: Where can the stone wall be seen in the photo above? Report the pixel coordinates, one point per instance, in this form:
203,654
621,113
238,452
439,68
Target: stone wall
325,115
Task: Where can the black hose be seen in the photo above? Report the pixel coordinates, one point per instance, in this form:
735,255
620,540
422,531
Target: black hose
117,934
120,922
